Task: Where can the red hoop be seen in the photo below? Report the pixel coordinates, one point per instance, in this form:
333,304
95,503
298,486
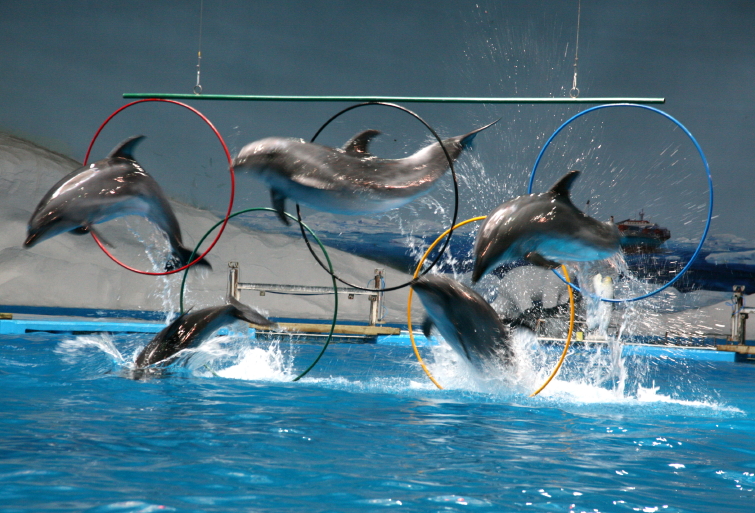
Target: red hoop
230,202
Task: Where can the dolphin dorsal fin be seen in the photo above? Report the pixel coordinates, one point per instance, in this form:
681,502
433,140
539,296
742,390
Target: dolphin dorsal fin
247,313
561,188
126,148
358,145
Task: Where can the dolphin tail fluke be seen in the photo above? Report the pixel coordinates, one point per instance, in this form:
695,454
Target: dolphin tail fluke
248,314
279,204
180,258
467,140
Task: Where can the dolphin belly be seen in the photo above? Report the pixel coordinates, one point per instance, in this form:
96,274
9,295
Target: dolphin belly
345,200
563,249
104,211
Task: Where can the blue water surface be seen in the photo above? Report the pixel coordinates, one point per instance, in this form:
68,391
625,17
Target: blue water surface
365,431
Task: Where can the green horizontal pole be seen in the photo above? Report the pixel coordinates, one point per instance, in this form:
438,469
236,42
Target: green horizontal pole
391,99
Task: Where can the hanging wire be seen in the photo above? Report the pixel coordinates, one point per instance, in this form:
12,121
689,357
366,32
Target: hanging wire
574,93
198,87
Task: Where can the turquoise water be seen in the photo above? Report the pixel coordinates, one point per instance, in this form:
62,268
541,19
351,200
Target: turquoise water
366,431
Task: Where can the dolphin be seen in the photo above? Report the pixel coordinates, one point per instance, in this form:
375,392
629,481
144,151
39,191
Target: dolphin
544,229
348,180
115,186
190,329
465,320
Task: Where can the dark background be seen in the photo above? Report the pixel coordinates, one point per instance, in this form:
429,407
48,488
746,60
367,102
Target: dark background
65,65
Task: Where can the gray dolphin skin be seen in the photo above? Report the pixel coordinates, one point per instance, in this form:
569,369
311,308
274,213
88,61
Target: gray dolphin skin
192,328
348,180
465,320
113,187
544,229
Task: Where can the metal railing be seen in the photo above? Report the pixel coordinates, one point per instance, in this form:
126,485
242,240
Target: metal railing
376,299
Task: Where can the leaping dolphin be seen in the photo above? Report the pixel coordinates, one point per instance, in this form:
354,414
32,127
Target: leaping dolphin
348,180
465,320
544,229
115,186
192,328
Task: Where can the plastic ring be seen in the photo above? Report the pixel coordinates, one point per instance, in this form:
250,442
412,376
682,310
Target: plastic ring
411,331
230,201
707,172
456,195
335,285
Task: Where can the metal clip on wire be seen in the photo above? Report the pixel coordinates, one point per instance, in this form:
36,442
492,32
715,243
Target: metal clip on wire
198,87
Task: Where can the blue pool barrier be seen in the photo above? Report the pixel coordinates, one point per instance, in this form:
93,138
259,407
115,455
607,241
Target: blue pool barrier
26,326
21,326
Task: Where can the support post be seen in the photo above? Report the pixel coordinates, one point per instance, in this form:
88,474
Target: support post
738,316
376,300
233,281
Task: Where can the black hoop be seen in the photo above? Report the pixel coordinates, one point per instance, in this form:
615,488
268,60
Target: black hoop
456,199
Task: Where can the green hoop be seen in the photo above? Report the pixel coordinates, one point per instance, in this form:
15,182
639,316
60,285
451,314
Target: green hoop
327,258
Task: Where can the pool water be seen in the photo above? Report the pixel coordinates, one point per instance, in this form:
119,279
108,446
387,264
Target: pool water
228,431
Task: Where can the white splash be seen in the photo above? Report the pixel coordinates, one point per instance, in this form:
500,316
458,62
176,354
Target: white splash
256,363
80,347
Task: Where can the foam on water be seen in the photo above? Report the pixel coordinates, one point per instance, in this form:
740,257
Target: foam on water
590,375
261,364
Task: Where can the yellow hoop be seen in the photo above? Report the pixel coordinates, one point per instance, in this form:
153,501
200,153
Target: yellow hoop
409,312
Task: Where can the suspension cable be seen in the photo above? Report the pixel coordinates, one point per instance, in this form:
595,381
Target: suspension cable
574,93
198,87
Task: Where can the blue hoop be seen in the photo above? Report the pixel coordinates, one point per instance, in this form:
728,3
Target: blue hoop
707,171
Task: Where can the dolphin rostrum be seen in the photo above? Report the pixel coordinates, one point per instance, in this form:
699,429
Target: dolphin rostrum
544,229
190,329
348,180
465,320
115,186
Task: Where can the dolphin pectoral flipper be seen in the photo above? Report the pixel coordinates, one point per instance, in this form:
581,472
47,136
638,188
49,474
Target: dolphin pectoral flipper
540,261
427,326
126,148
84,230
247,313
358,145
279,205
